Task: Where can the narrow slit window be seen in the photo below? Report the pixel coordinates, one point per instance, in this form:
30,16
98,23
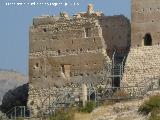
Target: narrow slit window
87,32
65,69
45,30
37,65
59,52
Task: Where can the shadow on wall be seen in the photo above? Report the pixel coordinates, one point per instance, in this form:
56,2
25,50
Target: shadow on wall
15,97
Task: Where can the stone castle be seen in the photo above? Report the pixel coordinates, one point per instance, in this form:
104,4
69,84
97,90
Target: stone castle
143,58
66,52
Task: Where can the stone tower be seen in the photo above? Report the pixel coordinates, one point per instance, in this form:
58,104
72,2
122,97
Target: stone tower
66,51
145,22
143,61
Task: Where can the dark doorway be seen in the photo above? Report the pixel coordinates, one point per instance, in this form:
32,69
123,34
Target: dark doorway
116,82
148,40
92,97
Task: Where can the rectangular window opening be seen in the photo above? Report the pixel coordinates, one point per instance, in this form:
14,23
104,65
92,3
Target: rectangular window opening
66,70
87,32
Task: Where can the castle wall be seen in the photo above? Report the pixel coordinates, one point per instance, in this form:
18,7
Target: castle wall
142,64
64,53
68,51
55,44
116,32
145,19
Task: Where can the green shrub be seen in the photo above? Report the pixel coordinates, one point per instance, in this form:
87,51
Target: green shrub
89,107
155,115
150,105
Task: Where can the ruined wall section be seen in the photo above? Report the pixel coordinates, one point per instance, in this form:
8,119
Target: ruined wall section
143,64
116,33
73,43
143,60
145,19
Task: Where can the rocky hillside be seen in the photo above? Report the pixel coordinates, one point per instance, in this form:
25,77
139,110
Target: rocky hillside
127,110
124,110
10,80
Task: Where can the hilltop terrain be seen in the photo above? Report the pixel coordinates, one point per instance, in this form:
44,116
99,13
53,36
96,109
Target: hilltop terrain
9,80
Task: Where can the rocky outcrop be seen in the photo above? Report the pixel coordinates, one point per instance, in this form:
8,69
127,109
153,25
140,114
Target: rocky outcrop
16,97
13,92
124,110
119,111
10,80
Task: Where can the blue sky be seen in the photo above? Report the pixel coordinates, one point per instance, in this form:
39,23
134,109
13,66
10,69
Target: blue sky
15,22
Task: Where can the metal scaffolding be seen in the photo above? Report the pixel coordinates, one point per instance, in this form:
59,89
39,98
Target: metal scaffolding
109,91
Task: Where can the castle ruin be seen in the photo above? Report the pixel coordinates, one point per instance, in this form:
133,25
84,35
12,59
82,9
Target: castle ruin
66,51
143,61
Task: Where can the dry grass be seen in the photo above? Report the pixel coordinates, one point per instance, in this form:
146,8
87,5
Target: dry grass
82,116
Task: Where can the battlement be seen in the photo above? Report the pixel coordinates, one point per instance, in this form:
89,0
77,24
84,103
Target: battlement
63,16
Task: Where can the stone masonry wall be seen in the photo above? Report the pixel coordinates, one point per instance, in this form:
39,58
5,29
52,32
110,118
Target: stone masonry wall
64,53
145,19
41,100
76,42
66,48
116,33
68,51
142,65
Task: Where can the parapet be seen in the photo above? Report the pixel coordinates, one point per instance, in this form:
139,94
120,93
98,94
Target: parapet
42,20
47,19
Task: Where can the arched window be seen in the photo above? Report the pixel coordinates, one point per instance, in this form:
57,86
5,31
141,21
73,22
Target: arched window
148,40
